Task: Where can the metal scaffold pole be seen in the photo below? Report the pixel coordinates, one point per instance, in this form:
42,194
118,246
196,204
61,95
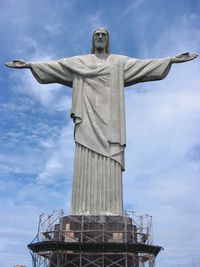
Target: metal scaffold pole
85,240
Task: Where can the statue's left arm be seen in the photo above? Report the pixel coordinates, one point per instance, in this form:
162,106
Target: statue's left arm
136,70
184,57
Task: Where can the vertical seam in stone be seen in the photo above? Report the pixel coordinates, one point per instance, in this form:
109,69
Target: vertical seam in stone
77,210
112,187
121,189
104,188
80,178
85,179
97,184
74,186
115,188
92,181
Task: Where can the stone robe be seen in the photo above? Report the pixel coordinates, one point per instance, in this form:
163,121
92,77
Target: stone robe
98,112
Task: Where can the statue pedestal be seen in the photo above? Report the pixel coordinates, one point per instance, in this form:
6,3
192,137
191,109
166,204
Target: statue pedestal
94,241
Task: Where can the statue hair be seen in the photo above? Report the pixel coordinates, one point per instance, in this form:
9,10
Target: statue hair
108,42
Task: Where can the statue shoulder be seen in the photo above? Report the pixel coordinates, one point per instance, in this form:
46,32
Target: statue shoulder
74,58
119,58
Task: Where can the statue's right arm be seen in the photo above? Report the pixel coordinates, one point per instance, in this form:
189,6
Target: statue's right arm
46,72
18,64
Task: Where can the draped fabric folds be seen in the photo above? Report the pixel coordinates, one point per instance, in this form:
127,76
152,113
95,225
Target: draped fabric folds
98,112
97,184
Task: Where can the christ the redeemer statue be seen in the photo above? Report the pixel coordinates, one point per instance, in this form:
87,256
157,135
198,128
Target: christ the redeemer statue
98,112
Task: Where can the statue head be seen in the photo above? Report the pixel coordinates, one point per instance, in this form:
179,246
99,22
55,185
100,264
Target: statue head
100,39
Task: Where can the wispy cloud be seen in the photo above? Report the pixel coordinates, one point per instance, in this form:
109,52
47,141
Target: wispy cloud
50,96
132,7
162,155
61,154
163,144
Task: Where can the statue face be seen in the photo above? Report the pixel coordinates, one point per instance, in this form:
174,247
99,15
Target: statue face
100,39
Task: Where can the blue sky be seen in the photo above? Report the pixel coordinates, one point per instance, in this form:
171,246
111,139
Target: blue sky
163,119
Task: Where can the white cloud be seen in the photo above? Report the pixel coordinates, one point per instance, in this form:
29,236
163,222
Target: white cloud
96,21
51,96
185,37
60,156
163,155
17,229
132,8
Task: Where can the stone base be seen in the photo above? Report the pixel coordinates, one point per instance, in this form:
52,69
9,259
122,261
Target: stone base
109,229
87,241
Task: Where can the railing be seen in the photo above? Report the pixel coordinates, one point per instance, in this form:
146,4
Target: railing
71,228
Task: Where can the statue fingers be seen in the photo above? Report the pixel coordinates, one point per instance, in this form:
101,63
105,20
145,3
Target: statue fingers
182,55
191,57
16,63
10,64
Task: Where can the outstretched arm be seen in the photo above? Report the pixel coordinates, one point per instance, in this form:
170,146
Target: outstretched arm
184,57
18,64
45,72
136,70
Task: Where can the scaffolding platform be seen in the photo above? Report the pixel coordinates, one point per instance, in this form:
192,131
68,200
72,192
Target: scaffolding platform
87,241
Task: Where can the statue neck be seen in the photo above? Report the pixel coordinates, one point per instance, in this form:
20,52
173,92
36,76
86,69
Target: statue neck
101,53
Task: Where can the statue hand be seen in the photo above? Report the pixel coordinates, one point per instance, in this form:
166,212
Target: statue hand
16,63
183,57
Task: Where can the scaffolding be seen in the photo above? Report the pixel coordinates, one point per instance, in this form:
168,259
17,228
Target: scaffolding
85,240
